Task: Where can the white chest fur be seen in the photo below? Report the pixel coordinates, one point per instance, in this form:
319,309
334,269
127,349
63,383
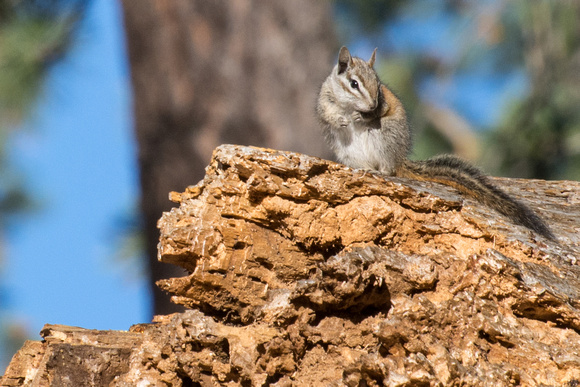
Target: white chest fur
359,146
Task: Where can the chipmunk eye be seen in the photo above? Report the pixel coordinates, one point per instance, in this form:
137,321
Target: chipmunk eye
354,84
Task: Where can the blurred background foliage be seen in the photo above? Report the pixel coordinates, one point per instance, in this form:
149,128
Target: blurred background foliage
449,58
539,136
497,82
34,35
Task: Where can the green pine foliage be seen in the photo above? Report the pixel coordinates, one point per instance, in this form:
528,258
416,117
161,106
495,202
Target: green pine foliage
34,35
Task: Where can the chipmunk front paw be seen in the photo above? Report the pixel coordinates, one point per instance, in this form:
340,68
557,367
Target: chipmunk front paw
342,121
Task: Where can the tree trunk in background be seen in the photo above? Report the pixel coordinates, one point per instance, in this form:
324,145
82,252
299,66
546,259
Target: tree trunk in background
212,72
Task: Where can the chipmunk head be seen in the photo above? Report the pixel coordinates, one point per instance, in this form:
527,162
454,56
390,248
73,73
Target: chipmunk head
358,82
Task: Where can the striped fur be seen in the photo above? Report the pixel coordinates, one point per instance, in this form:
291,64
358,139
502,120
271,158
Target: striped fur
469,180
366,126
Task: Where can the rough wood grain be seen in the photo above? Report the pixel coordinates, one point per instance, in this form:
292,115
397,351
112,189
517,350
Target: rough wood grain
304,272
433,287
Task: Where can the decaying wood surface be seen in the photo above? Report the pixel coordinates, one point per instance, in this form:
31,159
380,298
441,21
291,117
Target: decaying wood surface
305,272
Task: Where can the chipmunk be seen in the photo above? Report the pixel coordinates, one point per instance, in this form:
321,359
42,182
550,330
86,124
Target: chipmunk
366,126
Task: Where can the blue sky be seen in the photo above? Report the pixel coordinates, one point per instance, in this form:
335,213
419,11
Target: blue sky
79,160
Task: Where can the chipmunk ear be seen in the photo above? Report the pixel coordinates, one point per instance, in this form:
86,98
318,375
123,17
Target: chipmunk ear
344,59
371,61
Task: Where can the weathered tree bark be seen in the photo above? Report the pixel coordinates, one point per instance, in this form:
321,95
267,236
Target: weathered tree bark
305,272
209,72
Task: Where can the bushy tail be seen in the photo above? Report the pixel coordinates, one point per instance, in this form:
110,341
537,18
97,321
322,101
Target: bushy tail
459,174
